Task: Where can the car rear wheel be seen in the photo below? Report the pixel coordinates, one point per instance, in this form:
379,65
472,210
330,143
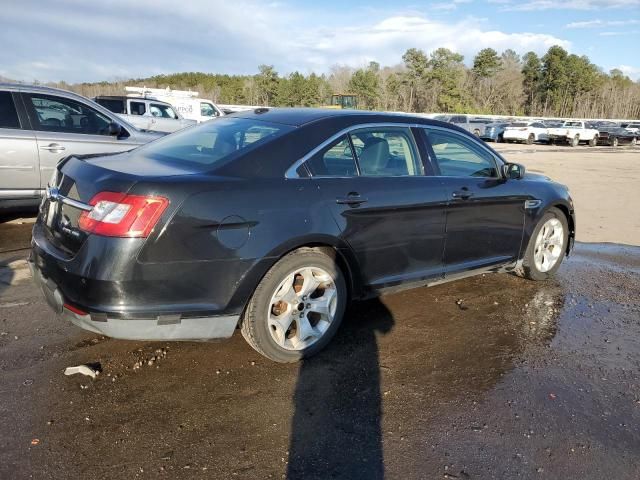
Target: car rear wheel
547,246
614,142
575,141
593,142
499,139
297,307
634,141
530,139
476,132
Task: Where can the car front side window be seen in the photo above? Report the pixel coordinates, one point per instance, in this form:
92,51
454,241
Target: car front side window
457,156
51,113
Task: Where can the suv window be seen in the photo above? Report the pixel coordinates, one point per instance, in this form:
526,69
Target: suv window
386,151
457,156
8,113
458,119
207,110
160,110
335,160
59,114
137,108
112,104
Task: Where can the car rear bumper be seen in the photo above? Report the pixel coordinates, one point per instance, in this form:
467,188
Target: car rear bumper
155,327
130,300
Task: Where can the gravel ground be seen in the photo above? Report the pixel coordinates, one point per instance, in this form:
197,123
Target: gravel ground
489,377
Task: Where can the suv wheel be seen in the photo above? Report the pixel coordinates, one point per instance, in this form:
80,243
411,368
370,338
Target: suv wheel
297,307
575,141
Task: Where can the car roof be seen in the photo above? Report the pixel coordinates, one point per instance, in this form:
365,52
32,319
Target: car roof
298,117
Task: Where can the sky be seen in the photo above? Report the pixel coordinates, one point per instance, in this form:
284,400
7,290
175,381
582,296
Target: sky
76,40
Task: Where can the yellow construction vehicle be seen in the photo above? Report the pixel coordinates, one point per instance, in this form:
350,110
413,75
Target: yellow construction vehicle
342,101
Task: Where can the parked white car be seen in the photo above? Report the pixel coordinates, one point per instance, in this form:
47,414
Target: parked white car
574,132
185,101
145,114
526,132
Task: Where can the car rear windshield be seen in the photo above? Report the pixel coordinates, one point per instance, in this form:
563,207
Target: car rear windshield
213,143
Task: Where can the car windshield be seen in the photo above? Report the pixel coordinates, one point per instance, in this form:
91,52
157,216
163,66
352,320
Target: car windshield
212,143
520,124
572,124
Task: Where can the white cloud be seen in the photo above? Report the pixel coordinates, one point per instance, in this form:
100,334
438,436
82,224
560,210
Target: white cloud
77,41
573,5
631,72
618,33
602,23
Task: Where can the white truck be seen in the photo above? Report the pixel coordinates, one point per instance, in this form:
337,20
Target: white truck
145,114
184,101
573,132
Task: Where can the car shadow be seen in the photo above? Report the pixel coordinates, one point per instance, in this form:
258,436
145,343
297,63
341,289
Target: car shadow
336,427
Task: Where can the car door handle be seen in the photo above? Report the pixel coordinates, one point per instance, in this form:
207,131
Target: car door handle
53,147
353,199
462,195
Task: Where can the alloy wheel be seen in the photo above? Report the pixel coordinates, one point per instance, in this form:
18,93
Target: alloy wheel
302,308
549,245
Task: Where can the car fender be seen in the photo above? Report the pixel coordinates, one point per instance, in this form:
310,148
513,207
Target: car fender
345,258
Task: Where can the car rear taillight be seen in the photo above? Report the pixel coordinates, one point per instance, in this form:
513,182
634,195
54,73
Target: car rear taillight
121,215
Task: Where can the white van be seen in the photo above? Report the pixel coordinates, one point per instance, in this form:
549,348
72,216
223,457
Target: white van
184,101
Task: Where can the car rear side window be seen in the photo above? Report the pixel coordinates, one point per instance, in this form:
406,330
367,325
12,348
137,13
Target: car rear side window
334,160
210,144
457,156
8,113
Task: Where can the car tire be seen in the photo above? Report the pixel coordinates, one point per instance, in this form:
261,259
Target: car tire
476,132
614,142
500,139
261,325
575,141
530,139
535,264
593,142
634,141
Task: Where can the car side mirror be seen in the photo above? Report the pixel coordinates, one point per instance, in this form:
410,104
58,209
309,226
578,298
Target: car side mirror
114,129
513,171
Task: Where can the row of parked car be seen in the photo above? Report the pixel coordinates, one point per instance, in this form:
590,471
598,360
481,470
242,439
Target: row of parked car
571,132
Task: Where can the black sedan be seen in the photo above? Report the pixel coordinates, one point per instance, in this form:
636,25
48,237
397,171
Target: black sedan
614,136
273,219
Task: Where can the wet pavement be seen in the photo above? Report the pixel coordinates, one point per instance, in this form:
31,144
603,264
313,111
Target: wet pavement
489,377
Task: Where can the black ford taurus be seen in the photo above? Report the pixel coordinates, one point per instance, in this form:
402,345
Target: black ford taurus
273,219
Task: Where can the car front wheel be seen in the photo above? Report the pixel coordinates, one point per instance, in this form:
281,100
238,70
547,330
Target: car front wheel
547,246
297,307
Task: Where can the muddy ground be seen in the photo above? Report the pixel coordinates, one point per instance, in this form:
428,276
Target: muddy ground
490,377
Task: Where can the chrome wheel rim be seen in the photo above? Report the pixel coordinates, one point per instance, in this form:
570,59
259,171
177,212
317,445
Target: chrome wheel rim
549,245
302,308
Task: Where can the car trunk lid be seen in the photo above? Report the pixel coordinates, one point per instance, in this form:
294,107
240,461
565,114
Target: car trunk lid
78,179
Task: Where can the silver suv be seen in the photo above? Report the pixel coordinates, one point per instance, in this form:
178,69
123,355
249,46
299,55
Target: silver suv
39,126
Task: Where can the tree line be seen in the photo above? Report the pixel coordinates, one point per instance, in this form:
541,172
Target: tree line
557,84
